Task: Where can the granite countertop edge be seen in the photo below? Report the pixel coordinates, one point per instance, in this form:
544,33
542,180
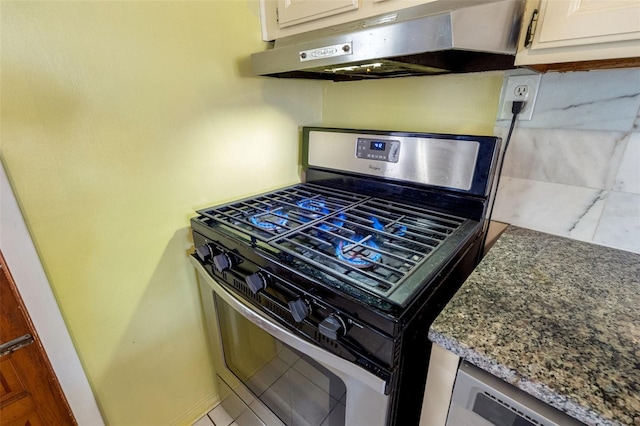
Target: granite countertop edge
556,318
538,390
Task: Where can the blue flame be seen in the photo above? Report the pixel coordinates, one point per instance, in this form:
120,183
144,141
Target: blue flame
269,224
316,205
358,259
399,229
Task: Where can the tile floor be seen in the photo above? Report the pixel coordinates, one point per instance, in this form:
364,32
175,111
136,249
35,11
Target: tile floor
298,390
221,418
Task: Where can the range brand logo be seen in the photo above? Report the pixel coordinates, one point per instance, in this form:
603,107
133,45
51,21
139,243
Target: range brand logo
324,52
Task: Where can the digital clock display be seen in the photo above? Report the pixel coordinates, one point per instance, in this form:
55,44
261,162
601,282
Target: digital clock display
377,146
377,149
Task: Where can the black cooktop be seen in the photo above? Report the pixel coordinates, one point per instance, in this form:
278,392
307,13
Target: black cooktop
383,247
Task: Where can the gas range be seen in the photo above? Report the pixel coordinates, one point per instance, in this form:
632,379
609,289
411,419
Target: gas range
362,256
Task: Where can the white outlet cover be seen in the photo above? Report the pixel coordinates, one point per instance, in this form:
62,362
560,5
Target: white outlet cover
509,84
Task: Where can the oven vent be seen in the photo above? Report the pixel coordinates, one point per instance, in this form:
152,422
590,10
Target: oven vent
325,340
278,310
242,288
262,300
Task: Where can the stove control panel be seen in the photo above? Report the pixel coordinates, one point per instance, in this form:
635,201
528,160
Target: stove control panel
222,262
256,282
332,327
205,252
300,309
378,149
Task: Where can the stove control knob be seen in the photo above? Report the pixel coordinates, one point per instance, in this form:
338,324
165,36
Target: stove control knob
256,282
204,252
332,327
299,309
222,262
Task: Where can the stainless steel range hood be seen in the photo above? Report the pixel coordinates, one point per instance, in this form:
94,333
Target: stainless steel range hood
404,43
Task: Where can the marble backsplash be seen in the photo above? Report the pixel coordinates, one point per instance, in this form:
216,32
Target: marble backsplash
574,169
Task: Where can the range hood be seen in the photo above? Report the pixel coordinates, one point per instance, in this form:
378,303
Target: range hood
404,43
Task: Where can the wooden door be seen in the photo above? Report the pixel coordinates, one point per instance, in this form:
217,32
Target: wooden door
29,391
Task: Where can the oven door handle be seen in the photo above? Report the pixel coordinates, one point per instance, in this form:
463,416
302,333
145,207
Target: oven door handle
330,360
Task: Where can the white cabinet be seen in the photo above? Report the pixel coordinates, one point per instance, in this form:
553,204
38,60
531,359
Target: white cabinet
282,18
567,31
292,12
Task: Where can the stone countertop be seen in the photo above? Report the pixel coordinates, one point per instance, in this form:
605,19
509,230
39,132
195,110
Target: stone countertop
557,318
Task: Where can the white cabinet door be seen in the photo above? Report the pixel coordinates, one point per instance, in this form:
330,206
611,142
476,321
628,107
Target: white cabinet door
284,18
571,22
580,30
292,12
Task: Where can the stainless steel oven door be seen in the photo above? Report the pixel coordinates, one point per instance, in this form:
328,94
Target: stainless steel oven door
281,378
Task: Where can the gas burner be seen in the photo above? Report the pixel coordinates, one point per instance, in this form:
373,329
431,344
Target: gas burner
356,253
316,206
315,209
399,229
269,220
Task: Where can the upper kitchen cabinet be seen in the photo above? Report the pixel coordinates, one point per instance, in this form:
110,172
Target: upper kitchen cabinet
580,34
282,18
292,12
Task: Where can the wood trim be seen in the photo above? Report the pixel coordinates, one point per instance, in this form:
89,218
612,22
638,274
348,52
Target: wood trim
47,387
601,64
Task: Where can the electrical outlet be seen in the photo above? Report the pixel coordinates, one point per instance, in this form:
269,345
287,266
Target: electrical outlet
521,91
518,87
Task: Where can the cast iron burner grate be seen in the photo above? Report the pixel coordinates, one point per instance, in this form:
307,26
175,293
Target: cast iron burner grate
369,242
270,215
377,245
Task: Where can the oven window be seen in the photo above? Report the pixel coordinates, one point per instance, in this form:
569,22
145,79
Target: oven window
296,388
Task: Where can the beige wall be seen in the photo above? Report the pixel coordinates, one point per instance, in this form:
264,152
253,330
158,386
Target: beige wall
119,119
463,103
